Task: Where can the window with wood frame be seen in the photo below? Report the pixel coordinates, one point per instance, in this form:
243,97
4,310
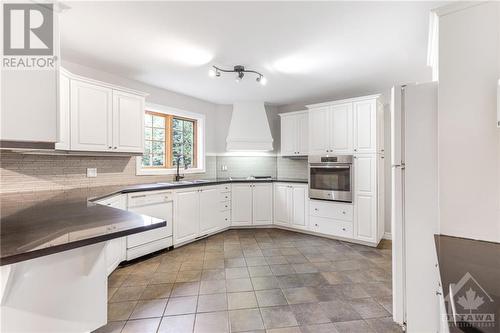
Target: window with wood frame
168,139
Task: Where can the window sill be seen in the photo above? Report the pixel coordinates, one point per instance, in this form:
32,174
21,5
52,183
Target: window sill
149,172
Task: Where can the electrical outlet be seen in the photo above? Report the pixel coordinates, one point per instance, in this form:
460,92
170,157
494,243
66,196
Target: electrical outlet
223,167
91,172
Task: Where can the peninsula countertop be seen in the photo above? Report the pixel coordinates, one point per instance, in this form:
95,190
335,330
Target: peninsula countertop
35,224
471,266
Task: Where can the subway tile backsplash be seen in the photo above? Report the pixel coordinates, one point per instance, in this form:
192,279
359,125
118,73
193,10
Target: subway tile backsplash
29,172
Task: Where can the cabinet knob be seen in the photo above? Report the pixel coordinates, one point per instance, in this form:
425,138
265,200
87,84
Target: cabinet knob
316,209
382,157
343,212
316,224
115,147
343,229
109,147
355,149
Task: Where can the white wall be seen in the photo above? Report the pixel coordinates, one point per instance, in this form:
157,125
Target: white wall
468,139
159,96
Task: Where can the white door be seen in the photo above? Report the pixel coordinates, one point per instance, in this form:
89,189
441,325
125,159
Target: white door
289,135
262,203
115,253
241,204
209,210
365,198
281,204
365,126
341,136
187,215
319,130
91,117
303,133
63,118
128,122
298,206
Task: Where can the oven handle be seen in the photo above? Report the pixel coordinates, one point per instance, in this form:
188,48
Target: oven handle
345,166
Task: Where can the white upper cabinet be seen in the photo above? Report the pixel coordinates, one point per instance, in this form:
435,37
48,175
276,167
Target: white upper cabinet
365,126
99,117
91,117
294,133
128,122
341,125
346,127
319,130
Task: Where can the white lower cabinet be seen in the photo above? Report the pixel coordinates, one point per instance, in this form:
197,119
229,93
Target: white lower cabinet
331,218
251,204
290,205
365,198
116,248
197,212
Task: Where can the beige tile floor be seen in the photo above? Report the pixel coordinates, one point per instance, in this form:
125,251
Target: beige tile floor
255,280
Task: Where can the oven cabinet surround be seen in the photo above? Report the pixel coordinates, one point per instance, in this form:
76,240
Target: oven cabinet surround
99,117
348,126
294,133
251,204
291,205
200,211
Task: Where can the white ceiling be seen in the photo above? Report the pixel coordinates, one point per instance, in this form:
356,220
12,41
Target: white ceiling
307,51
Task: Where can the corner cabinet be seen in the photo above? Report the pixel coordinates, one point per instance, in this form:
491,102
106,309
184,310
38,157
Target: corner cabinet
198,212
251,204
294,133
95,116
346,127
291,205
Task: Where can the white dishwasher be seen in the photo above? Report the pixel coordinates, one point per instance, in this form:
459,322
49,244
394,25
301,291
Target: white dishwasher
157,204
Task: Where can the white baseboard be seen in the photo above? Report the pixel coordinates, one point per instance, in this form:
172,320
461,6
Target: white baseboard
387,235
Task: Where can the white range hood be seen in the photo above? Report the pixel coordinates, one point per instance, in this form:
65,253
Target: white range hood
249,129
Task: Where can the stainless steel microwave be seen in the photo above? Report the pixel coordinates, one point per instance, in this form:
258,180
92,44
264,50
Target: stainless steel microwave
331,177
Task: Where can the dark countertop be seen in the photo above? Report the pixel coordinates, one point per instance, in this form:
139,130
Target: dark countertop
471,265
35,224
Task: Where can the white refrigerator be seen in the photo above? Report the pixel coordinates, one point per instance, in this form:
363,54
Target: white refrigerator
414,205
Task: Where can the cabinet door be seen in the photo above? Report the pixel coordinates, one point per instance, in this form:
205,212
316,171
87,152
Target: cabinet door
262,203
91,117
115,253
298,206
303,133
241,204
128,122
365,126
187,215
341,124
365,198
63,117
288,135
281,204
209,210
319,131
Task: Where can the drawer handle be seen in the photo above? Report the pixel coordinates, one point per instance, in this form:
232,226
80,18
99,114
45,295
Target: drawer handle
138,196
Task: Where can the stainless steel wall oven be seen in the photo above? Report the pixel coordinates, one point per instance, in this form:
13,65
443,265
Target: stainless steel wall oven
331,177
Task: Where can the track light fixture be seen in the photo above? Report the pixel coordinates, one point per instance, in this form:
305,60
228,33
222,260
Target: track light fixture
240,73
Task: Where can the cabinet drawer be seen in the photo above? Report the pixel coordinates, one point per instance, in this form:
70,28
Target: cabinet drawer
331,210
225,196
144,249
331,227
147,236
223,206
